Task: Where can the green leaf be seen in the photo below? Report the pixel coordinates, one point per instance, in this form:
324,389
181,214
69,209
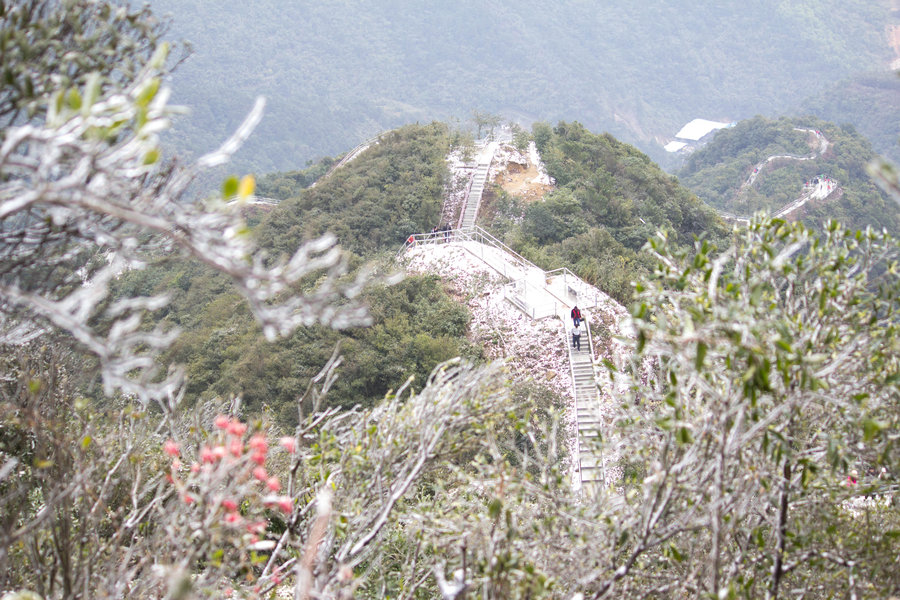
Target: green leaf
871,429
151,157
158,60
230,187
147,92
246,186
684,436
701,354
74,99
494,508
91,90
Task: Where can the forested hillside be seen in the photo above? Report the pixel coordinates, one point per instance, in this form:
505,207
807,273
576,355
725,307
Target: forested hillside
610,199
871,102
337,72
371,204
719,171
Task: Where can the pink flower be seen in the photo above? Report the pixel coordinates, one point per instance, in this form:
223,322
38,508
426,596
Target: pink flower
273,484
195,468
171,448
176,464
237,428
236,447
289,444
259,458
219,452
207,455
260,473
229,505
233,518
256,527
285,504
258,443
221,422
188,499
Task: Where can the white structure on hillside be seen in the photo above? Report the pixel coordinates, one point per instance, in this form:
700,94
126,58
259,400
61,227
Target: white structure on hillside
691,134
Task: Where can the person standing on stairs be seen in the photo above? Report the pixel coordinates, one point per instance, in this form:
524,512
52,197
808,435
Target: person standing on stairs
576,336
576,316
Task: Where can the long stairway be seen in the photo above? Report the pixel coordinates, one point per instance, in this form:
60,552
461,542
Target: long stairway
544,294
587,407
473,199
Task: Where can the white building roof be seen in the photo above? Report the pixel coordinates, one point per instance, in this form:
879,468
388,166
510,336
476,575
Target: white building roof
697,128
674,146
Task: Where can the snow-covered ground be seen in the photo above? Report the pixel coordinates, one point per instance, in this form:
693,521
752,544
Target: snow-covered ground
534,349
504,154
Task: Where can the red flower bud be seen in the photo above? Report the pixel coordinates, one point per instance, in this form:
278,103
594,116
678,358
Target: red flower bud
171,448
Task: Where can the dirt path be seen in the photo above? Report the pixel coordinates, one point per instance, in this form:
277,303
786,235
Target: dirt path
519,181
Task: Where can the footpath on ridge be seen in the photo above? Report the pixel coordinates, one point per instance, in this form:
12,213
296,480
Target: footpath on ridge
538,294
817,189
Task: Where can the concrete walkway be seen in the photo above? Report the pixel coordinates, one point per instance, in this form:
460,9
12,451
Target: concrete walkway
588,421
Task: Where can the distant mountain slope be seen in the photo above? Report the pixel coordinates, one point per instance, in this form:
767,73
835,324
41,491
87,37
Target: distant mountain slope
337,72
870,101
719,172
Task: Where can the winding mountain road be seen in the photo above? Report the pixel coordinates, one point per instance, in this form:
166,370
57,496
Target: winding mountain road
821,188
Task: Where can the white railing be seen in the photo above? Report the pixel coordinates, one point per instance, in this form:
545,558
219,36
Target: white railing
517,292
513,266
574,287
437,237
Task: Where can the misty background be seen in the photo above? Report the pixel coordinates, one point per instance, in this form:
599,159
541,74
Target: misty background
337,72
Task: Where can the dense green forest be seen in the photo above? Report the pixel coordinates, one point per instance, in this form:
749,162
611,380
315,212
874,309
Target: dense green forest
371,204
717,171
610,199
336,72
871,102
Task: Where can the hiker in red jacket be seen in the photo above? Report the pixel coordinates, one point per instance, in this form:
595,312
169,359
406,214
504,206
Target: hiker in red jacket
576,316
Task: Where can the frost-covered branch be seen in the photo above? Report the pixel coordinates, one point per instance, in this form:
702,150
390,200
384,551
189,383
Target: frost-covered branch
86,189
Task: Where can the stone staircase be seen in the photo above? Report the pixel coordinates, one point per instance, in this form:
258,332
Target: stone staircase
587,406
473,198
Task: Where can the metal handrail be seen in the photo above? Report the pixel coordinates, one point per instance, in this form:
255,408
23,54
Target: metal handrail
350,156
465,204
428,238
590,340
477,234
493,241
